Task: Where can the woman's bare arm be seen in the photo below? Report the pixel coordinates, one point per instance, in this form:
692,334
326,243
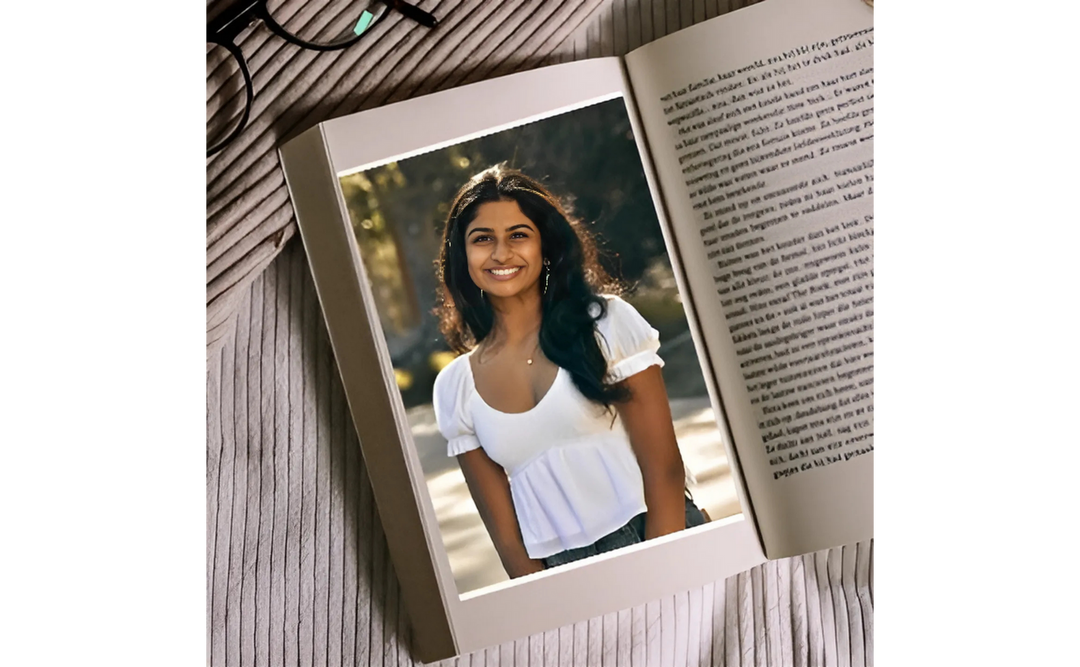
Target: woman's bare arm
647,419
490,490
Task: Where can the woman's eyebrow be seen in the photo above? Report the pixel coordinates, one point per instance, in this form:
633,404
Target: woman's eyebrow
492,231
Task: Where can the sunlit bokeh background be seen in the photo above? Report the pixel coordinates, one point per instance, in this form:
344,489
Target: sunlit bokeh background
589,158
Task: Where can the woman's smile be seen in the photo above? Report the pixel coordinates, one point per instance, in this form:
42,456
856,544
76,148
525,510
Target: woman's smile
505,273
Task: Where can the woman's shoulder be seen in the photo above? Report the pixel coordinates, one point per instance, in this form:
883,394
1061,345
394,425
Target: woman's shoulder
627,339
454,374
618,312
450,400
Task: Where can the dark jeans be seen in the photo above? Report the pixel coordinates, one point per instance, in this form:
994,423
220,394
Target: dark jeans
632,533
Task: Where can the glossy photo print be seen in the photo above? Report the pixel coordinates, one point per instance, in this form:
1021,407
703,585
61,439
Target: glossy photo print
554,392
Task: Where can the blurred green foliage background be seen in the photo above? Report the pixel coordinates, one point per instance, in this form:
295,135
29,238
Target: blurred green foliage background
587,157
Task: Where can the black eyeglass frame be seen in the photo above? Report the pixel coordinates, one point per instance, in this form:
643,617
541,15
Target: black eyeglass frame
227,26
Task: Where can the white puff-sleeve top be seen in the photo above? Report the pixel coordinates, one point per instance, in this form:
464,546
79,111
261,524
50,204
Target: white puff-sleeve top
573,475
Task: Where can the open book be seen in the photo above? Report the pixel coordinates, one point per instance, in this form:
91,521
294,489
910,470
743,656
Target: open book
743,215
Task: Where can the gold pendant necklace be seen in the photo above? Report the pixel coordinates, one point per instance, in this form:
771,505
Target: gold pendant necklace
480,356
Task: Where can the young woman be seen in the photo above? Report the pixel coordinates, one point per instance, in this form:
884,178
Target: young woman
556,410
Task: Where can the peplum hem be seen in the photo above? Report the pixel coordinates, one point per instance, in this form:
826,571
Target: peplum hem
575,493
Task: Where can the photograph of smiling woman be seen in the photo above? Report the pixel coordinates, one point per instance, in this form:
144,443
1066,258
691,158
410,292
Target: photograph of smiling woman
556,409
571,270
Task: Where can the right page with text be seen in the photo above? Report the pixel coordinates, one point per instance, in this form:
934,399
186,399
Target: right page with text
760,124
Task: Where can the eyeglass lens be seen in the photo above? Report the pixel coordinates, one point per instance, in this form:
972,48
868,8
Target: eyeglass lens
226,98
318,24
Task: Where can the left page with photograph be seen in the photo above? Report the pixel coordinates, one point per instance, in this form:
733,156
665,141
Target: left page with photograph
375,194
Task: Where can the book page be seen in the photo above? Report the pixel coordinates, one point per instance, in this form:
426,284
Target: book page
372,192
761,127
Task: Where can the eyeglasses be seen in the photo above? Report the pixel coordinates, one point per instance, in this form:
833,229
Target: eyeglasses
319,25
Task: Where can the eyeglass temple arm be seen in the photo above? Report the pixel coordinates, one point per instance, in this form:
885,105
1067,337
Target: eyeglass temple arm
227,25
413,12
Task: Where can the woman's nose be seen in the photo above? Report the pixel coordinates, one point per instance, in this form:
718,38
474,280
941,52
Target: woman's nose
501,252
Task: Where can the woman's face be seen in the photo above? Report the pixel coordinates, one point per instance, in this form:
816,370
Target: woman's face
503,249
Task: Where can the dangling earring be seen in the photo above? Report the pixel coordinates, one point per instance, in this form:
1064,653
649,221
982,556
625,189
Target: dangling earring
481,295
547,274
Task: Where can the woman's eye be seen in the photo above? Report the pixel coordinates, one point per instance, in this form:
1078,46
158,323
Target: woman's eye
487,238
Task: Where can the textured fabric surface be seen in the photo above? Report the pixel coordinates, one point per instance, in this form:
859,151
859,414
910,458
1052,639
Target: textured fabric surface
298,571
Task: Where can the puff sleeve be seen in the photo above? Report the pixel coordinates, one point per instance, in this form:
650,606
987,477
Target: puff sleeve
450,398
627,339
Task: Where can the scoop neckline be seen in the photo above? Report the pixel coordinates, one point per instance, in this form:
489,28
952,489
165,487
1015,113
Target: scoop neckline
476,392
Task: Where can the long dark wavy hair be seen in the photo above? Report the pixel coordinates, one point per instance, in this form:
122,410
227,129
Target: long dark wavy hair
572,303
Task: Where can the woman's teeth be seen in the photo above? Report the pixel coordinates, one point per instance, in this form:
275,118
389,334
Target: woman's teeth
504,272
